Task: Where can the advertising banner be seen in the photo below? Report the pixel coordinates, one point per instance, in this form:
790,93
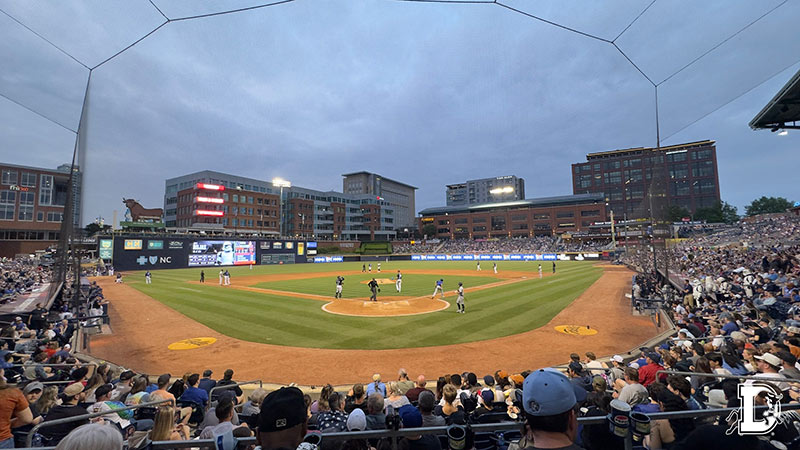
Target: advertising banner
155,245
222,253
133,244
106,249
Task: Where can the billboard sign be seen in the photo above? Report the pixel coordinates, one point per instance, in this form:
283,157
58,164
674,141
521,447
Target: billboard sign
155,245
106,249
133,244
222,253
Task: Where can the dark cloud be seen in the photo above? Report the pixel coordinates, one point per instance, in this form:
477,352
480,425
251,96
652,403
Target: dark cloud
428,94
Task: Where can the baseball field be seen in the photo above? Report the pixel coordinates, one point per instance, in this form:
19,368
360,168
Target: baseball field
293,305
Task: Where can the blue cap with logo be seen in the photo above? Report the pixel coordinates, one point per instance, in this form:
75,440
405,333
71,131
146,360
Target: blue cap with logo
547,392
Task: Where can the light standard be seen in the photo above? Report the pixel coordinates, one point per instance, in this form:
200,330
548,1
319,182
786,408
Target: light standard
236,212
302,224
281,183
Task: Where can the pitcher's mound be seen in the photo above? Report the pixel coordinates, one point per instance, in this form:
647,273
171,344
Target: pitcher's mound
388,307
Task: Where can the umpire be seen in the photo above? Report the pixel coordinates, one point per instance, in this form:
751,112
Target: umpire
373,286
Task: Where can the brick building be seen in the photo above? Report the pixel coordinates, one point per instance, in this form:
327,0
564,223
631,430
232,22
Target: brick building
211,199
530,217
689,172
32,202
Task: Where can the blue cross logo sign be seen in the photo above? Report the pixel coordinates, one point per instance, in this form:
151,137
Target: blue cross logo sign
142,260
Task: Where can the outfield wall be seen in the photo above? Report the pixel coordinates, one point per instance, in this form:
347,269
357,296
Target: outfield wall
138,252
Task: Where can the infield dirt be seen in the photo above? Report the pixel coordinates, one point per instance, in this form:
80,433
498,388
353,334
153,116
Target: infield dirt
144,327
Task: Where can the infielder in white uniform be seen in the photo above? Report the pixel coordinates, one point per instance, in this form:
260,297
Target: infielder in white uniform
379,267
460,299
398,282
221,276
479,266
495,267
540,271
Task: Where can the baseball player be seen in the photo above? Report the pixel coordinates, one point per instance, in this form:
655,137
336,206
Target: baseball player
479,266
147,279
202,277
554,267
339,281
398,282
363,268
439,288
460,299
540,271
369,267
379,267
221,276
373,286
227,276
495,267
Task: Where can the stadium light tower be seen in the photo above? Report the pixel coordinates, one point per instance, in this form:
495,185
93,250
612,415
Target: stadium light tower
281,183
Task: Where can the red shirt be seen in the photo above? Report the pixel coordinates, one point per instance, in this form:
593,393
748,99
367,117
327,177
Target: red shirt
647,374
12,402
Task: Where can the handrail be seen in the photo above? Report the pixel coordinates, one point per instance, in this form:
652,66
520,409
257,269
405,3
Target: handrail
229,386
719,375
45,365
50,423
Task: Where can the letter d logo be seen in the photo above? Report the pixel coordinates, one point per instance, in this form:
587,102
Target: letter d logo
748,423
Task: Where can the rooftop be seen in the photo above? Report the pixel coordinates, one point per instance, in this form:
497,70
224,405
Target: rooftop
364,172
620,152
541,202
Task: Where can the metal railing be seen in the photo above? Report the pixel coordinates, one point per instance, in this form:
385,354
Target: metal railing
724,376
243,443
51,423
229,386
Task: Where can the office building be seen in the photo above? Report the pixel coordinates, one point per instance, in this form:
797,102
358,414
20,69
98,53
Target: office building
32,202
214,200
399,196
486,190
688,174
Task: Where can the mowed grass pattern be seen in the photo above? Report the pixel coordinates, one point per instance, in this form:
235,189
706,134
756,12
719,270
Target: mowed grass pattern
274,319
355,286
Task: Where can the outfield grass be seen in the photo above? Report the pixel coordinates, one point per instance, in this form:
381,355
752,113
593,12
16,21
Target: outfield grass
355,286
274,319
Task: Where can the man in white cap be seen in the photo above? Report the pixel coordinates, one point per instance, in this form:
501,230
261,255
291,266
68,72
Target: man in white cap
549,401
768,367
617,371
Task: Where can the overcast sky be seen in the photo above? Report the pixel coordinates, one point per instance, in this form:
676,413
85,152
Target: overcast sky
427,94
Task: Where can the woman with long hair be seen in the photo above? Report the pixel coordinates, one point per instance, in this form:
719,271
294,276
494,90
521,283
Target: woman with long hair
165,429
701,366
452,413
137,393
48,399
440,388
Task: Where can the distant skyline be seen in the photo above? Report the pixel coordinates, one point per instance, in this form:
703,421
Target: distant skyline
428,94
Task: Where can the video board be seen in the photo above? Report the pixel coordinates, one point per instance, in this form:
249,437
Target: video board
222,253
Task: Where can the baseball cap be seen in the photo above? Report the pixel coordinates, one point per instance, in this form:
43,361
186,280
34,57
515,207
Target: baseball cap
617,358
654,356
103,390
576,367
357,421
547,393
770,359
30,387
127,375
282,409
488,380
517,379
787,357
73,389
18,318
599,382
794,330
488,397
410,415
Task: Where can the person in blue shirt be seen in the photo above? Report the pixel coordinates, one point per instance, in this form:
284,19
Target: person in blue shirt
193,393
730,326
206,383
376,386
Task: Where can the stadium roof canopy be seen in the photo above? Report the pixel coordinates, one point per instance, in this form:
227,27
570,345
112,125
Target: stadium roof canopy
783,111
563,200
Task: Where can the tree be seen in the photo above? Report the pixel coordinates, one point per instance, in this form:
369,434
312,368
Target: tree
730,214
429,230
676,213
767,205
94,228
